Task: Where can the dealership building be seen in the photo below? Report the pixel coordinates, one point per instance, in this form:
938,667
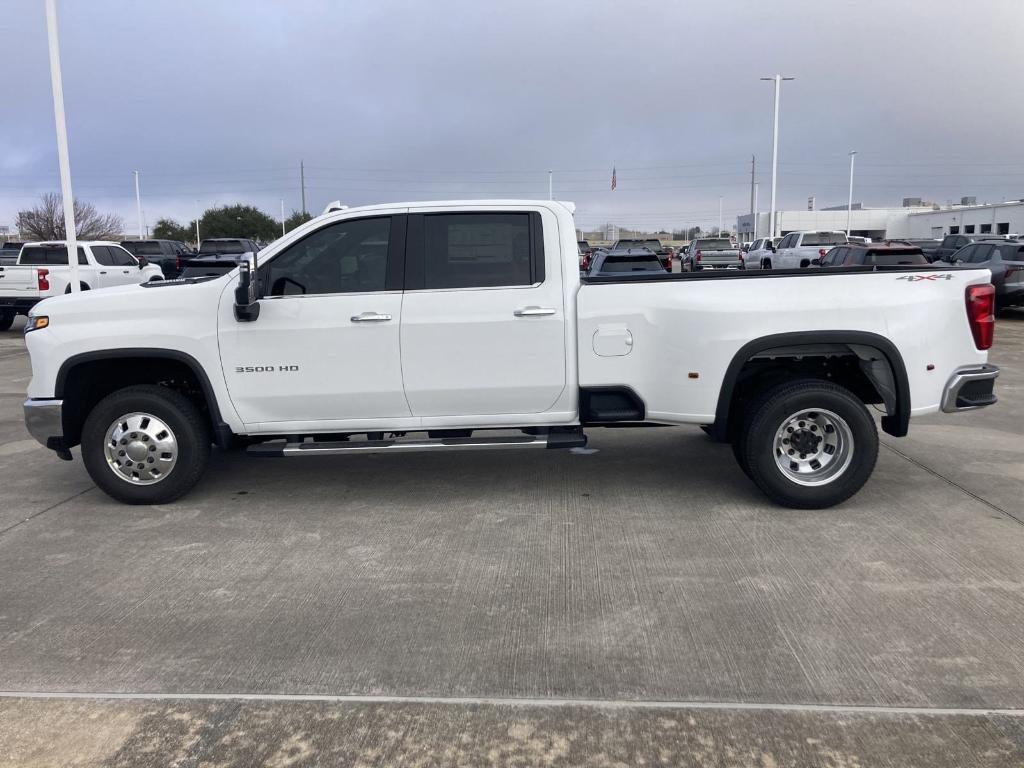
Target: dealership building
912,219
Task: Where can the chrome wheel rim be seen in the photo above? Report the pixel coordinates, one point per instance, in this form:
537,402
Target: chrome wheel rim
140,448
813,447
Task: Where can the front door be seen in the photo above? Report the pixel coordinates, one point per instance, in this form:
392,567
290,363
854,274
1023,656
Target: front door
483,321
325,347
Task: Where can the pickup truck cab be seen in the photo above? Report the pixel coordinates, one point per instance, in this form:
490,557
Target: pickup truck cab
169,255
42,271
466,325
798,249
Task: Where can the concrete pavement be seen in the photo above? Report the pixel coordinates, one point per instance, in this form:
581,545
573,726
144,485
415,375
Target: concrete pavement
649,571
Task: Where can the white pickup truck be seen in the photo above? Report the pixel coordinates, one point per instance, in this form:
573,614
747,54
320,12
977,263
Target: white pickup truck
461,325
42,270
799,249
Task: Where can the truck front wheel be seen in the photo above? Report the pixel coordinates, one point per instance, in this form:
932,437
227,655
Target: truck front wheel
145,445
808,444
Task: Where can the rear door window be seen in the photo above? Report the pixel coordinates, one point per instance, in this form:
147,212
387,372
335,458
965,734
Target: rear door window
823,238
981,253
103,256
479,250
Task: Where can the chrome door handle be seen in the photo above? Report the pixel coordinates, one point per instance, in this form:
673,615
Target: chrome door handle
102,272
370,317
534,311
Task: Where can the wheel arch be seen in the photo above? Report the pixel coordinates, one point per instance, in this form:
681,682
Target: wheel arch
879,360
146,366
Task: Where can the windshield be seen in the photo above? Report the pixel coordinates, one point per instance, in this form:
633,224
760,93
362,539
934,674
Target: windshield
222,246
617,264
823,238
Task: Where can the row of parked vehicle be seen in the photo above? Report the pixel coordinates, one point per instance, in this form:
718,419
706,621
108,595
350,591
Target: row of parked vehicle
35,271
1003,255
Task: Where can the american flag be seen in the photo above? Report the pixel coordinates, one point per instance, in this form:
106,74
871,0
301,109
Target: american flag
614,181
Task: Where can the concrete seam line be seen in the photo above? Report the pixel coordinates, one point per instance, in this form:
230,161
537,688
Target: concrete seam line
44,511
867,709
955,484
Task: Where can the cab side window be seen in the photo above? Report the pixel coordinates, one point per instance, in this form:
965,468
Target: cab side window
103,256
346,257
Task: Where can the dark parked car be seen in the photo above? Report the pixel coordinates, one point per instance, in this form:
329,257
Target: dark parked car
655,246
9,252
586,253
227,245
212,266
953,243
169,255
928,245
1005,258
626,262
887,254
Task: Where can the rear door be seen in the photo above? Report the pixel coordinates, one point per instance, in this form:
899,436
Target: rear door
483,321
324,351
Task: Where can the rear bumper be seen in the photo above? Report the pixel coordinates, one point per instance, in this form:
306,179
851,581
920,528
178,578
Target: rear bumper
44,420
19,305
970,388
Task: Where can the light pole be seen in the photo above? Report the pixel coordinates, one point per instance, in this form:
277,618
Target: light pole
57,85
197,225
777,79
719,215
551,185
756,214
849,202
138,202
282,218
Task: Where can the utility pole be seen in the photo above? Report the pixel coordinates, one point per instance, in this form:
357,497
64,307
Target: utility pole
753,181
283,233
57,85
551,188
138,202
302,179
849,202
777,79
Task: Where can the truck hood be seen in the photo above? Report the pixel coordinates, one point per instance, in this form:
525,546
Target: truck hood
163,297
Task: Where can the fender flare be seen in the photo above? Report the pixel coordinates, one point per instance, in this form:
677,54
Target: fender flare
890,378
222,433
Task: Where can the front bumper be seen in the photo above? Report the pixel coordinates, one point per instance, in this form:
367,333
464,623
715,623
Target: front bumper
44,419
970,388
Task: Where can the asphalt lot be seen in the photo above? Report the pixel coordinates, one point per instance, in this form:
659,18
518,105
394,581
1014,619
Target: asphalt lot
642,603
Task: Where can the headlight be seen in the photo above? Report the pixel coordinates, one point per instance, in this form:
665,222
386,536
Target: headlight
36,322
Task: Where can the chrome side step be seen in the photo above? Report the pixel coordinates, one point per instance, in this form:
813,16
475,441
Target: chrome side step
283,447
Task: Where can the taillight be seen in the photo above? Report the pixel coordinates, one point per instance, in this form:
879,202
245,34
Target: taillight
697,257
821,253
981,301
42,277
177,262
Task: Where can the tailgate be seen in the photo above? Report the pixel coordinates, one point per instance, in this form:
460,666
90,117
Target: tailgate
18,282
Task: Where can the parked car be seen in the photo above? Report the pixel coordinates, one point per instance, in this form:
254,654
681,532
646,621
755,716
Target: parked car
214,265
166,254
872,254
760,253
586,253
43,271
1005,260
953,243
453,319
664,253
797,249
714,253
927,245
227,246
9,252
631,262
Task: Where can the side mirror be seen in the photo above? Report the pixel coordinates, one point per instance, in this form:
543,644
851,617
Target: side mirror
815,262
143,261
247,305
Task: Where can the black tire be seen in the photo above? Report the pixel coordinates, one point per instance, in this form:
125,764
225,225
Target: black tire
189,427
6,320
767,416
766,264
81,287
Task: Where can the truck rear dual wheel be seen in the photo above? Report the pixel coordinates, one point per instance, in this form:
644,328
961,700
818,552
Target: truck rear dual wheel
807,444
6,320
145,445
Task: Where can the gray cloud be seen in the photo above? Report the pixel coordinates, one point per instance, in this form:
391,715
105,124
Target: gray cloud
387,100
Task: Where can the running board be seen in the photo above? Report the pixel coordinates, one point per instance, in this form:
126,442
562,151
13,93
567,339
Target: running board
312,448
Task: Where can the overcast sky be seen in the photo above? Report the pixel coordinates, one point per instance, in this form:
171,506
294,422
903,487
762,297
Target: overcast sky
217,101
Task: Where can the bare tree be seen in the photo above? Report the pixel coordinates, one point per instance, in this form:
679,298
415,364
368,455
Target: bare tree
46,221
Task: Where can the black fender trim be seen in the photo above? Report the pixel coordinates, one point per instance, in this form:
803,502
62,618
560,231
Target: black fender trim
895,423
222,434
610,404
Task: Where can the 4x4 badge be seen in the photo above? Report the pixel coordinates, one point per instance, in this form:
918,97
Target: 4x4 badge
919,278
